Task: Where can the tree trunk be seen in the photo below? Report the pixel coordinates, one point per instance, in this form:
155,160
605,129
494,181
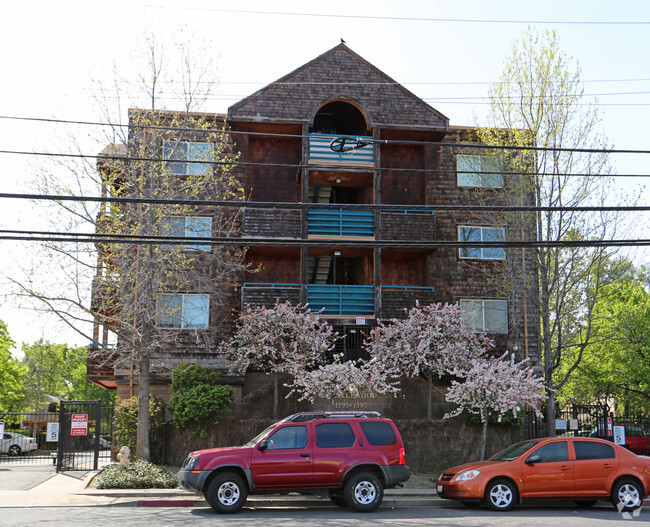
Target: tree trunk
429,403
142,450
276,394
484,418
549,413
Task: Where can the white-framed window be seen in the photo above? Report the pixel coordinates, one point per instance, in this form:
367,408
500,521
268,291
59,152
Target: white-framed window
188,227
182,311
479,171
471,233
188,158
490,316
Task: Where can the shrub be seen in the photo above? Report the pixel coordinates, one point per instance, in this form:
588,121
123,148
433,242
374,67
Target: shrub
197,398
139,474
126,425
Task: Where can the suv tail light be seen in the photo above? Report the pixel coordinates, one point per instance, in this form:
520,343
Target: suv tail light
402,456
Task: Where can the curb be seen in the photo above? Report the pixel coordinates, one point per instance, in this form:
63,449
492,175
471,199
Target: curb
289,502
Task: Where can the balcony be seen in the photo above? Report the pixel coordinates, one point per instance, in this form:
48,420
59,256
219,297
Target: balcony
321,153
271,223
101,365
340,222
341,300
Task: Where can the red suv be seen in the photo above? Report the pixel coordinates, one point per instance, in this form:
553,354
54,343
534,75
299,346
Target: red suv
352,456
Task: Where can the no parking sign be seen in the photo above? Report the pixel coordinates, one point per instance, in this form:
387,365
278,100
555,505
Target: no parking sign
79,425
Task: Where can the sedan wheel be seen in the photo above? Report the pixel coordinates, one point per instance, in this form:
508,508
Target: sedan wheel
627,495
14,450
500,495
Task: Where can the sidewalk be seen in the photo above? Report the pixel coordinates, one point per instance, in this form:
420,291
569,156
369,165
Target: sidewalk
63,490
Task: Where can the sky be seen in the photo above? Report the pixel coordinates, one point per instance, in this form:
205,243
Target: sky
447,53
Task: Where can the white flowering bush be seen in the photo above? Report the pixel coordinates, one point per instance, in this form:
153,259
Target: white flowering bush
495,386
343,378
433,341
285,339
138,474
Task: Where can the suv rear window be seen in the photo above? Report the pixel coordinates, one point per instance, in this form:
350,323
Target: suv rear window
333,435
379,434
589,450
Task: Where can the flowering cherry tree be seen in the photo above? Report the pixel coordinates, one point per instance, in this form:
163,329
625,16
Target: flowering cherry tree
285,339
496,385
343,378
433,341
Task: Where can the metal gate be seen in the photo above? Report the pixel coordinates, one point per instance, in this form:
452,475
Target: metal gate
84,435
578,421
43,437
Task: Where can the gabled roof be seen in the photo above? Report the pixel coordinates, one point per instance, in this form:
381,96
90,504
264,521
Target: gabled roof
338,74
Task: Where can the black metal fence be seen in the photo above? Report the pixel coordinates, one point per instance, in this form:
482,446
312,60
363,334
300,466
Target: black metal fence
35,438
633,432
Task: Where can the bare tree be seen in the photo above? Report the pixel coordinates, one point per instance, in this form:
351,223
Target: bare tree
142,290
554,157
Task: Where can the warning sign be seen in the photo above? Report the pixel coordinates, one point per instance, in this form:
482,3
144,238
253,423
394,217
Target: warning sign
79,425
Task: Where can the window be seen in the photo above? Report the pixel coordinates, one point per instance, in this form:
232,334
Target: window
288,437
334,435
188,227
182,311
468,233
551,452
478,171
187,158
379,434
490,316
589,450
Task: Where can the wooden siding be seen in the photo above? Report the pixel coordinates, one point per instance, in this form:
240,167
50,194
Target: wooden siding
395,301
407,225
272,223
267,296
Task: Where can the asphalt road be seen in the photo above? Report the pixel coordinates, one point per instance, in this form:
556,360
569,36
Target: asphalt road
452,515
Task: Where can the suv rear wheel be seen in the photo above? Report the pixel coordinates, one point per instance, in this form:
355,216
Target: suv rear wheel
363,492
226,493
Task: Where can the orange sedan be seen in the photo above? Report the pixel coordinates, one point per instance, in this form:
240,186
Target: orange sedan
581,469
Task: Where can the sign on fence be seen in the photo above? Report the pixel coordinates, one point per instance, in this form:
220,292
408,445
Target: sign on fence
52,432
79,425
619,435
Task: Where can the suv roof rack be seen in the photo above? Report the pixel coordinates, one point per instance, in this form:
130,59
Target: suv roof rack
301,417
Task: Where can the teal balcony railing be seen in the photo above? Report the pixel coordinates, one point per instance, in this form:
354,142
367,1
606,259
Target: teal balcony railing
351,300
340,222
320,151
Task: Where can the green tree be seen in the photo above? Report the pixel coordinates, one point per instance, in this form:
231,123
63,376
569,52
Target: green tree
617,368
197,397
539,102
58,370
11,375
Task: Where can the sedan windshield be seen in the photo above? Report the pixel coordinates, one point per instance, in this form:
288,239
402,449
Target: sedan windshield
259,436
513,452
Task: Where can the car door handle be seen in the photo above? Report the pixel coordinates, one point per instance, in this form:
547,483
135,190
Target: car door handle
565,468
607,465
304,455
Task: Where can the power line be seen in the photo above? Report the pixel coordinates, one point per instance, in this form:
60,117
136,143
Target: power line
401,18
50,236
321,166
335,206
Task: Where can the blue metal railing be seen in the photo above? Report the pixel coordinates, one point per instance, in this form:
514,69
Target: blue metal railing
341,299
320,151
340,222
